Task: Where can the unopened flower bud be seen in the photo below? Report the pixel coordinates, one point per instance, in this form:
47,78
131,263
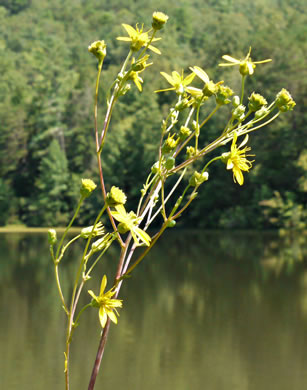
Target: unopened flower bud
52,238
256,101
198,178
184,133
87,187
210,88
235,101
171,224
261,113
284,101
169,144
238,113
182,105
158,20
101,243
115,197
89,231
155,167
223,94
98,49
170,163
191,151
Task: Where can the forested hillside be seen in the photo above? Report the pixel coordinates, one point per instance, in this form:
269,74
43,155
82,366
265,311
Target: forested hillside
47,80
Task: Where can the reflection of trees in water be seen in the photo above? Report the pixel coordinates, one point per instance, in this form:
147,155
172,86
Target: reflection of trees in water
204,310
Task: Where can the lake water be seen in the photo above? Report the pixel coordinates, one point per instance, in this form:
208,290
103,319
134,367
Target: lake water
204,311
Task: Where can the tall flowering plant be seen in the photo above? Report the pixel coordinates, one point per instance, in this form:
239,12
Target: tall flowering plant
160,198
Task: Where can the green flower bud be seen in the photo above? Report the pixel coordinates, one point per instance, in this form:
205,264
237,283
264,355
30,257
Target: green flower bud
158,20
191,151
256,101
171,224
87,187
262,112
101,243
184,133
88,231
170,163
238,113
155,167
223,94
284,101
124,90
182,105
198,178
52,238
169,144
98,49
210,89
123,228
115,197
140,65
235,101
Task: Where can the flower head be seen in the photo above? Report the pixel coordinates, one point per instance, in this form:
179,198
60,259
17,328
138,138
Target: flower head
210,87
92,231
107,305
138,67
129,222
158,20
284,101
116,196
177,82
246,66
98,49
256,102
236,159
87,187
138,38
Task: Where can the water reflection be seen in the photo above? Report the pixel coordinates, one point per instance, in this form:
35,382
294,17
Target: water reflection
214,311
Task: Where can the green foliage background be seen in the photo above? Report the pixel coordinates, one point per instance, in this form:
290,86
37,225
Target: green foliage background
47,82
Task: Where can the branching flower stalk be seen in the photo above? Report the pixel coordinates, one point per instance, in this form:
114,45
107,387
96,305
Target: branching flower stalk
181,155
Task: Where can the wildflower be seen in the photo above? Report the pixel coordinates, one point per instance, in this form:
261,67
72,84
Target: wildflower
92,231
236,159
116,196
52,239
198,178
246,65
134,74
138,38
256,101
87,187
98,49
129,222
169,144
107,305
238,112
178,82
223,94
210,87
158,20
191,152
284,101
102,243
184,133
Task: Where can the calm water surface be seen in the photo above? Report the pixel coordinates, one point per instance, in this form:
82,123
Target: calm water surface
205,311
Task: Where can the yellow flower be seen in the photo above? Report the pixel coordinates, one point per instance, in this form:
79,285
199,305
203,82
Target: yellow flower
178,82
210,87
236,159
107,305
129,222
139,67
138,38
246,65
158,20
87,187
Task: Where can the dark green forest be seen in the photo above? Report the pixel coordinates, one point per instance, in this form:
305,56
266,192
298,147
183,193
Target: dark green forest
47,81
